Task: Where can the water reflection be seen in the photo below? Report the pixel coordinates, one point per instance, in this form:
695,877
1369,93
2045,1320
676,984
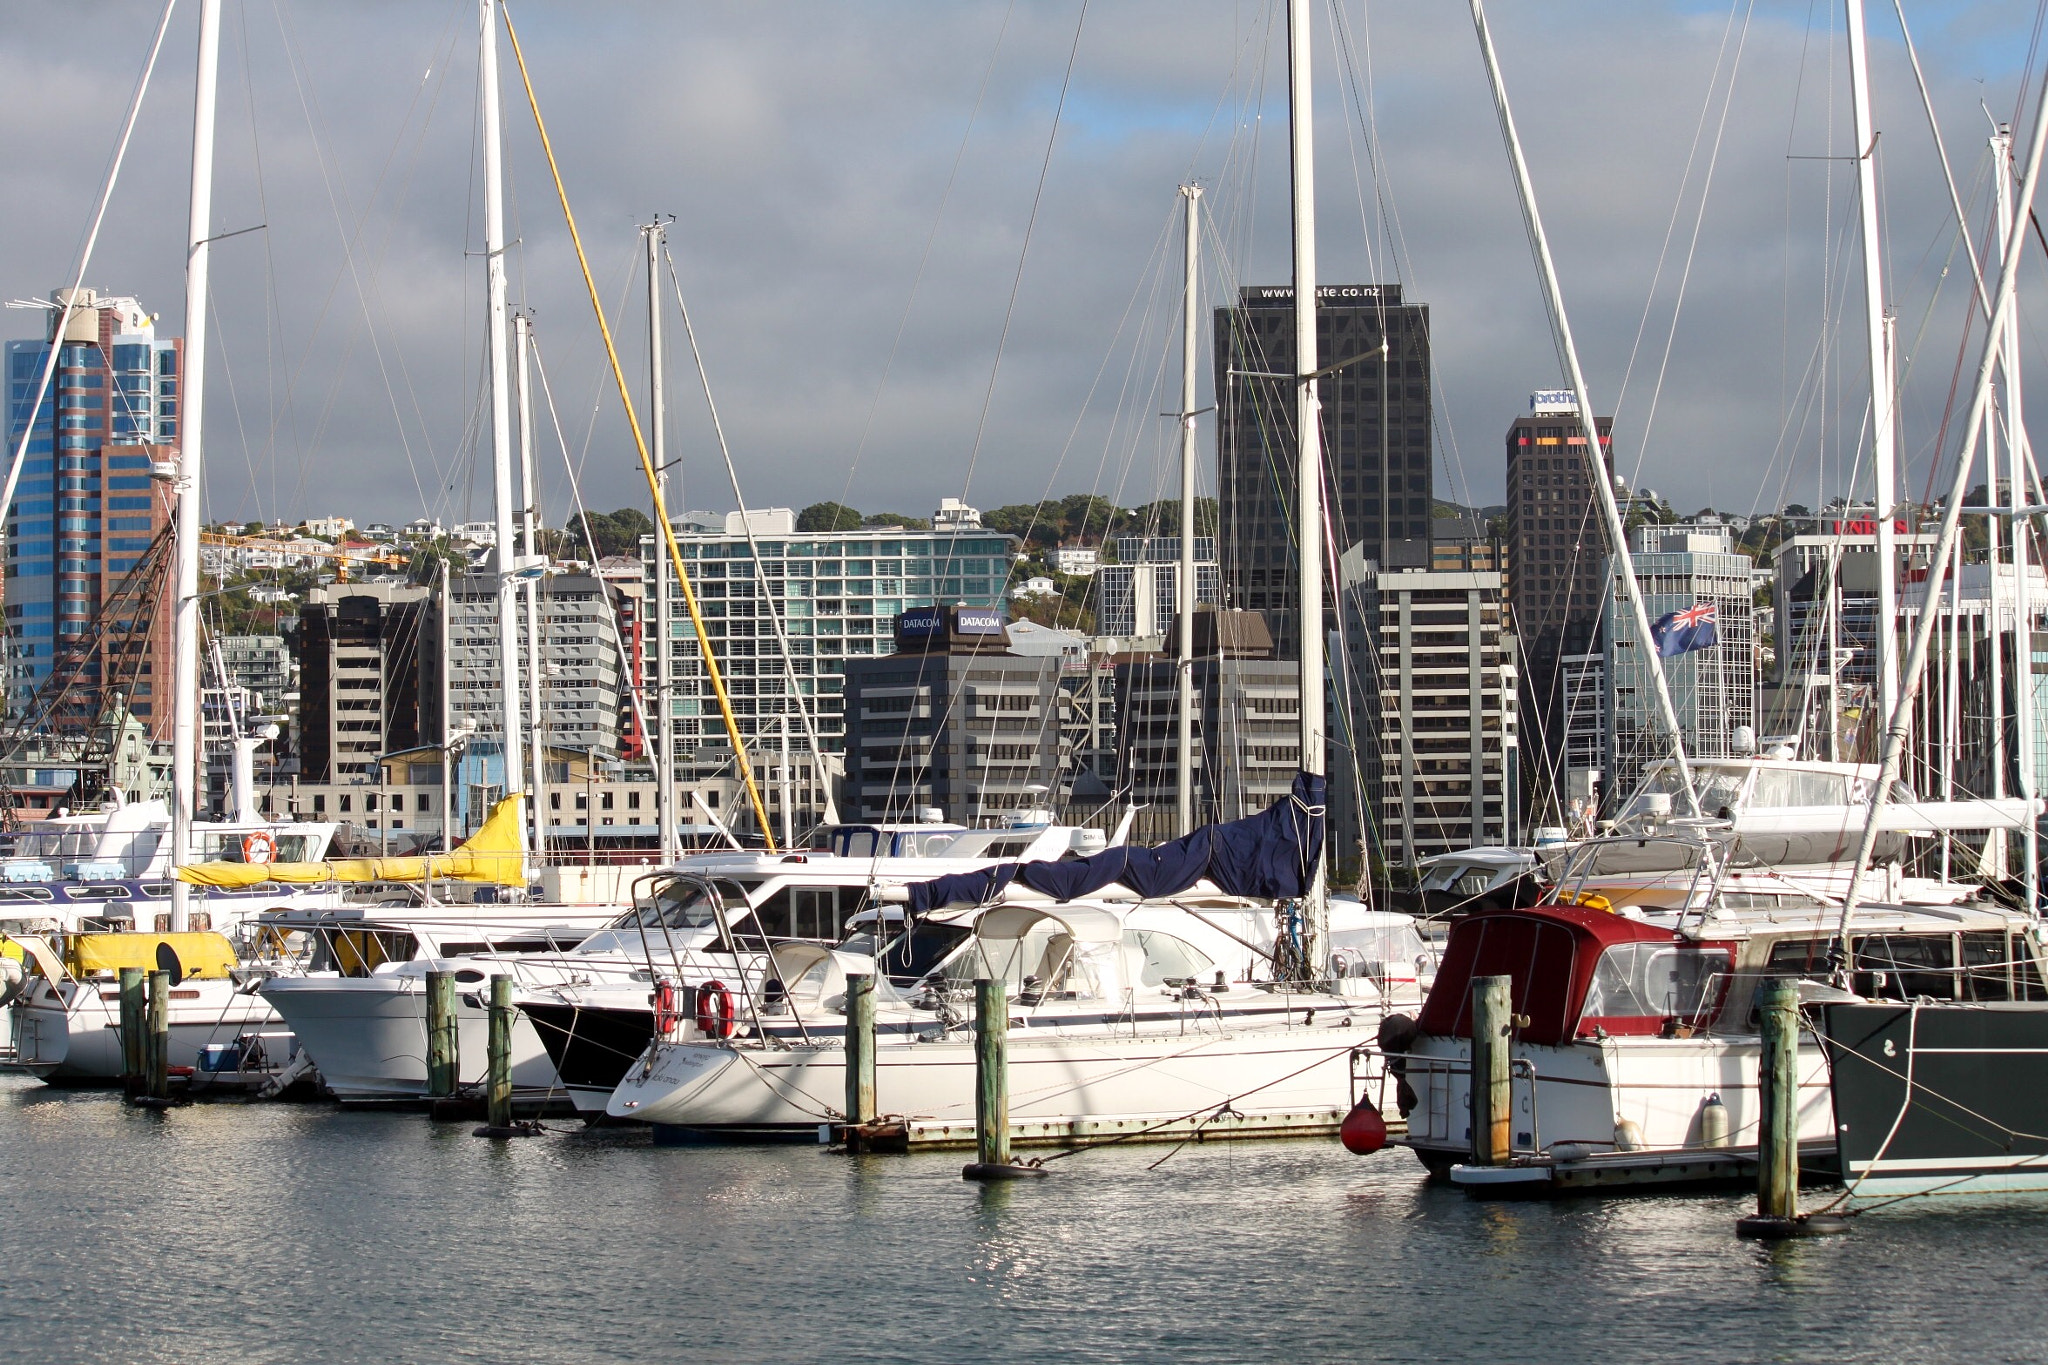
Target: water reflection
308,1233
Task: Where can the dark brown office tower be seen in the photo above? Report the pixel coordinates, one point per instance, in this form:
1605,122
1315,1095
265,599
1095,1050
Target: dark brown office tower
369,677
1376,440
1557,550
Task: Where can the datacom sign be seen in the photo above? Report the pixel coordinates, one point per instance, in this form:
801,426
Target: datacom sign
937,628
921,624
979,621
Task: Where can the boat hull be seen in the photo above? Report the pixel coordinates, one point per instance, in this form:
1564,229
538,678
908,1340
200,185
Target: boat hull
79,1042
1156,1075
368,1036
1971,1121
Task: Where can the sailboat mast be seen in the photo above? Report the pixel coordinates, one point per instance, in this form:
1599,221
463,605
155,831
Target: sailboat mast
657,421
501,397
529,542
1877,333
1568,356
191,455
1308,430
2023,595
1186,596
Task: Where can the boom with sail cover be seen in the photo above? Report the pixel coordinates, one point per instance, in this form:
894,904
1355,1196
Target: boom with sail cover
492,854
1273,855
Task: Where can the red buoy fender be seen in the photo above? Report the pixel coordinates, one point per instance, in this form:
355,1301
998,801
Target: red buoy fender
667,1008
714,1010
1364,1131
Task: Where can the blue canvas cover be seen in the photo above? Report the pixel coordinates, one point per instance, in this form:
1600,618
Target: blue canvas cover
1271,855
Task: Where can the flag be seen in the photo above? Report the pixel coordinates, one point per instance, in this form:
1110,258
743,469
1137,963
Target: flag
1682,632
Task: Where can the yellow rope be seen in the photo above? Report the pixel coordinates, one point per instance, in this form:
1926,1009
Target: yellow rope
668,532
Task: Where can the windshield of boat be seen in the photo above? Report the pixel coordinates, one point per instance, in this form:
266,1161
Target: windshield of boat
1719,789
1655,981
683,904
909,955
1464,879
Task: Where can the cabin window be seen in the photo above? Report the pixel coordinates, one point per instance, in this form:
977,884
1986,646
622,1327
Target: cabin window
907,957
801,912
1458,879
682,905
1654,981
860,843
1906,966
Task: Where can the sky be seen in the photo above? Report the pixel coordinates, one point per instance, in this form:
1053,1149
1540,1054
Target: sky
931,250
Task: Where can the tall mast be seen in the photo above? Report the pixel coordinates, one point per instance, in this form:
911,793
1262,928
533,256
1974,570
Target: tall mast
1877,332
529,516
1568,357
1308,430
657,421
1186,596
2023,596
191,455
501,397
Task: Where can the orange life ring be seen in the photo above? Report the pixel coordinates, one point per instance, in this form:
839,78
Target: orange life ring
714,1010
259,846
667,1008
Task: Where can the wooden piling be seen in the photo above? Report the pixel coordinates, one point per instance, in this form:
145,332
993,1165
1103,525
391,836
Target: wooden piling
444,1046
1492,1096
860,1051
992,1086
134,1022
499,1093
157,1053
1777,1145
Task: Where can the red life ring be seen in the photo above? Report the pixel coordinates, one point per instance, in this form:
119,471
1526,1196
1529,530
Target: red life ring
259,846
668,1010
714,1010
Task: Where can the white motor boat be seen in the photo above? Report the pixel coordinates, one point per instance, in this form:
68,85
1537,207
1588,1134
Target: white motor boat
1636,1049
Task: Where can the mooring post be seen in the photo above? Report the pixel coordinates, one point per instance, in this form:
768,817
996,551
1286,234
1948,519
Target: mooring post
1777,1164
1492,1100
991,1072
1777,1139
499,1094
860,1051
158,1048
443,1042
134,1020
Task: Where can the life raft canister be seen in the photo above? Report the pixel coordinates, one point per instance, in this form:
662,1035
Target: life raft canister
714,1010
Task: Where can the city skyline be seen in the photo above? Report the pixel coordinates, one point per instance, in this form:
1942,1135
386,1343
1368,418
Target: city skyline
803,234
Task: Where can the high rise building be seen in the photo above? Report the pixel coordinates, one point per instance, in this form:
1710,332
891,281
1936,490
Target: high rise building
952,720
369,677
1247,730
1714,689
838,594
1448,770
1557,585
580,676
85,510
1376,440
1139,594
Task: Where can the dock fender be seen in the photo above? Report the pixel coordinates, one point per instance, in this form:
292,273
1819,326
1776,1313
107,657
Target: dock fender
1364,1130
1397,1034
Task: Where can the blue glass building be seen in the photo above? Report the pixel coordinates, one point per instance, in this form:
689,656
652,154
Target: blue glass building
85,508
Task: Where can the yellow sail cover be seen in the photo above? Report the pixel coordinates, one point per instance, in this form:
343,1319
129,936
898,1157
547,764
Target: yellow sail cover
489,855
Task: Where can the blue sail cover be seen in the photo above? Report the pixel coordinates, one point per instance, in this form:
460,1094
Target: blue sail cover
1271,855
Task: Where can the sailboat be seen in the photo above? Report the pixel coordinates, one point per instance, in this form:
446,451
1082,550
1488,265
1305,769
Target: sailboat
1149,987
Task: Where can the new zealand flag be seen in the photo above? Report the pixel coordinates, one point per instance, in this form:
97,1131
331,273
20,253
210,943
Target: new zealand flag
1682,632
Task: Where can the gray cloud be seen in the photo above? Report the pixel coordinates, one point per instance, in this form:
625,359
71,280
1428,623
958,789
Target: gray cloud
805,151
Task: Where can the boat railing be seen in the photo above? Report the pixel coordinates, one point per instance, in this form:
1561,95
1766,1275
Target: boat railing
1436,1099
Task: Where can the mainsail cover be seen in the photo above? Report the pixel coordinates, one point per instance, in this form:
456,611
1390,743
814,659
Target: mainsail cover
1272,855
489,855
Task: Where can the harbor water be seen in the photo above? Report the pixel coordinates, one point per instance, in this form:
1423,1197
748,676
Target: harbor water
305,1233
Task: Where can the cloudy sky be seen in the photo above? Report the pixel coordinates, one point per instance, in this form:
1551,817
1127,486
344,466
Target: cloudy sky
874,201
